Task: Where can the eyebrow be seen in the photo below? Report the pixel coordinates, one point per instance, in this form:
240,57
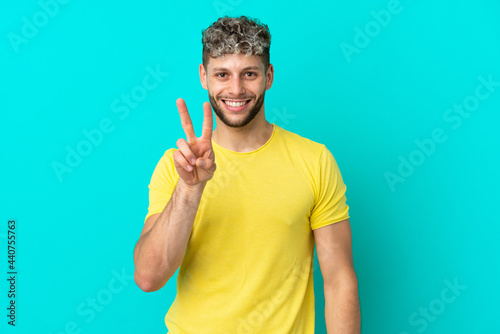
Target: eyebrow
244,69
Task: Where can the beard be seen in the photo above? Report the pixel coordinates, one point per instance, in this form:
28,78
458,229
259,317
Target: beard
248,118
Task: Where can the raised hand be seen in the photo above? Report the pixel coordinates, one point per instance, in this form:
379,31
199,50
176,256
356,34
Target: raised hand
195,159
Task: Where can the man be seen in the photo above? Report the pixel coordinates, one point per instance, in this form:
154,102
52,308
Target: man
243,230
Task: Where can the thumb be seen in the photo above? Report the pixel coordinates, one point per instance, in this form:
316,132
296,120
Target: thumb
206,163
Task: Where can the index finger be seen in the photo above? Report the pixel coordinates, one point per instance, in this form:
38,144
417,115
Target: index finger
186,123
207,121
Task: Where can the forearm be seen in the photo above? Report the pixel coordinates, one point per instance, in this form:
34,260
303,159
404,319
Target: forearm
342,310
161,250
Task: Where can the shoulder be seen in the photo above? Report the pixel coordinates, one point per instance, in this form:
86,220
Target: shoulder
169,154
301,145
165,168
168,157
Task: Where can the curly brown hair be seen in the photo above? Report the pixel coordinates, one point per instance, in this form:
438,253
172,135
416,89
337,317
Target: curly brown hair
233,35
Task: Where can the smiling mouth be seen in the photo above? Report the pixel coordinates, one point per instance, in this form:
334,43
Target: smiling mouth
235,103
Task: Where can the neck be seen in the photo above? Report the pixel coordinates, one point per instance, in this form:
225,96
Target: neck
245,139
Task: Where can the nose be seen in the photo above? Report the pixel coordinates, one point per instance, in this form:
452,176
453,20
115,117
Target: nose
236,86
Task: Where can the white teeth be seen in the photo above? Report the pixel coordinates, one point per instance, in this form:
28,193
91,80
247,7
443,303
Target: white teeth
235,104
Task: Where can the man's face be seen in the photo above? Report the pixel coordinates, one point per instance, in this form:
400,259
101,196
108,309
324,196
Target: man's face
236,87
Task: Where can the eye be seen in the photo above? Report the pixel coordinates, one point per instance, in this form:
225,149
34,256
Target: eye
220,75
251,74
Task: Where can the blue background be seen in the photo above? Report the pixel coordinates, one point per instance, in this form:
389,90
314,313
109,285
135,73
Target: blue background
436,225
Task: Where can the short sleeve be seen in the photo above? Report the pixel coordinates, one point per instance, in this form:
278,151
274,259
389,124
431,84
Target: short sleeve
330,201
162,185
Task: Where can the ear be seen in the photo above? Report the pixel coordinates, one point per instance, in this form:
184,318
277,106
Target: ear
269,76
203,76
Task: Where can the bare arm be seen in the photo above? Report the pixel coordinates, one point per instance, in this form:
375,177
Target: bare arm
164,238
342,309
162,245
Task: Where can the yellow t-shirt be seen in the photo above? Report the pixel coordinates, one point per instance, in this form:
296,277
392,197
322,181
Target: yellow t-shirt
248,267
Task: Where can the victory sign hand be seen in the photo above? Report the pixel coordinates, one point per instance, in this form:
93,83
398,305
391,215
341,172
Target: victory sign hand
195,159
